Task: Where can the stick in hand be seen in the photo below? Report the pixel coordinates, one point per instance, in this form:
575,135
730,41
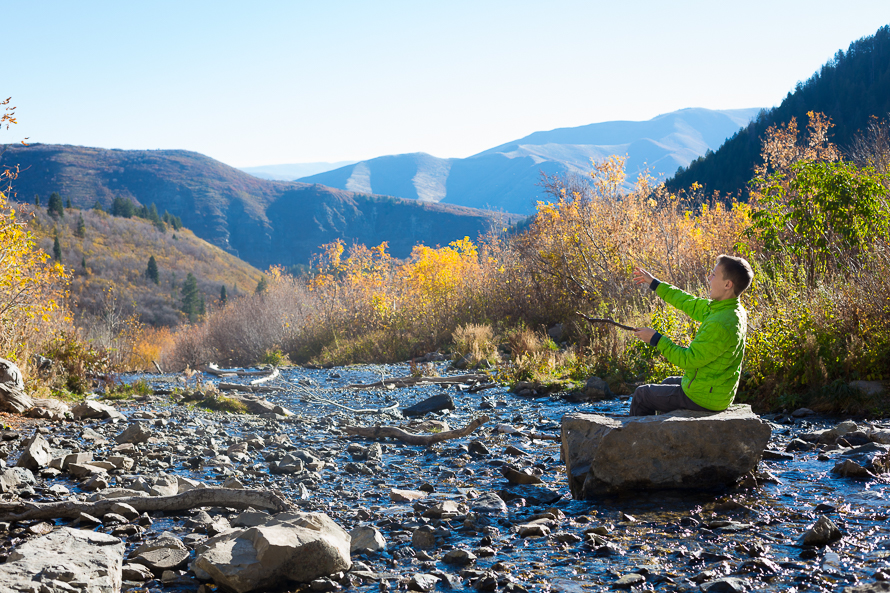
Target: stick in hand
605,320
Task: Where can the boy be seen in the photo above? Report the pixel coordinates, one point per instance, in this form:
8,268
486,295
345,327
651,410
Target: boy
713,360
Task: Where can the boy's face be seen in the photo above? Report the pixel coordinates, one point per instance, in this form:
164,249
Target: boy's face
721,288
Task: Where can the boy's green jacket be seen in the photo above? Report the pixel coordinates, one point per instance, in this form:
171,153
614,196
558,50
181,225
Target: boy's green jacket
713,360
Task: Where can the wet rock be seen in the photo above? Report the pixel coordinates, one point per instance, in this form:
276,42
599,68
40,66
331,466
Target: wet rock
36,453
397,495
358,468
515,451
431,404
161,559
725,585
799,445
822,533
681,449
770,455
479,448
564,537
96,482
134,434
515,475
299,547
422,582
533,530
233,482
92,409
802,413
459,557
533,495
488,503
423,538
850,469
65,560
878,587
629,580
63,463
367,540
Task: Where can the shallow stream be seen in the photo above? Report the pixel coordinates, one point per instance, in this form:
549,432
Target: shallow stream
675,540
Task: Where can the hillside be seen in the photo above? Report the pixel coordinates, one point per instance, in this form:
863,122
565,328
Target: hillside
263,222
116,252
507,177
850,88
294,171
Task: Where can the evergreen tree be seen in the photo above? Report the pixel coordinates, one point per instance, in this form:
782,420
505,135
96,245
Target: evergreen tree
81,230
151,272
37,200
83,264
262,285
55,207
57,249
98,207
123,207
68,203
223,297
191,298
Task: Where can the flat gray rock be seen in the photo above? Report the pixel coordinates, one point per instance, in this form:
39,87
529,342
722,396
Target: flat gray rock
682,449
65,560
291,547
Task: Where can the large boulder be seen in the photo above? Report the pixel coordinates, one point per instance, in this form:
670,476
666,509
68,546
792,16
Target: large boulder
65,560
290,547
681,449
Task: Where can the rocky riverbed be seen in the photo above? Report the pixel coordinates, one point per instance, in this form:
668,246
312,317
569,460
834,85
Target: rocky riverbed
446,516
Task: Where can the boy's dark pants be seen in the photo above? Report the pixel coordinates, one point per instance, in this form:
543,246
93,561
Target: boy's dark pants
666,397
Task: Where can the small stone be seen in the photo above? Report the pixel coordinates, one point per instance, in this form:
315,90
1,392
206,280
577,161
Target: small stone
366,540
822,533
136,572
422,582
397,495
459,557
423,538
533,530
629,580
136,433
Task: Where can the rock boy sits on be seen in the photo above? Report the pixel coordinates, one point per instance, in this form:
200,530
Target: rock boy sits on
712,363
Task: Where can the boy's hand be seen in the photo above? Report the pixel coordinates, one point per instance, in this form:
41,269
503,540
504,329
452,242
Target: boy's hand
641,276
644,333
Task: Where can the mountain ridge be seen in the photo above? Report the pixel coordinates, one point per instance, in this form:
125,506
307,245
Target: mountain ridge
507,177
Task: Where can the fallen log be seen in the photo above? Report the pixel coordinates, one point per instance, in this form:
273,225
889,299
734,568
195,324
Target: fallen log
199,497
270,377
212,369
383,432
246,388
413,381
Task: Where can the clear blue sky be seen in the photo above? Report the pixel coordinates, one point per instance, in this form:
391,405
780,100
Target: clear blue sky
264,83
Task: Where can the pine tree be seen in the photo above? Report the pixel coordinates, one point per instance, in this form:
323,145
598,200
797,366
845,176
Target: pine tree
81,230
151,272
98,206
37,200
261,285
83,263
57,249
123,207
68,203
223,297
55,207
191,298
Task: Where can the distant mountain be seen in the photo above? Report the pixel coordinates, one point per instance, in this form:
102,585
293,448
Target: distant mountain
506,177
116,251
262,222
850,88
294,171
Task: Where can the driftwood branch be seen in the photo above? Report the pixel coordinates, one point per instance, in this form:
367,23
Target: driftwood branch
273,375
412,381
157,366
212,369
199,497
382,432
605,320
222,386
